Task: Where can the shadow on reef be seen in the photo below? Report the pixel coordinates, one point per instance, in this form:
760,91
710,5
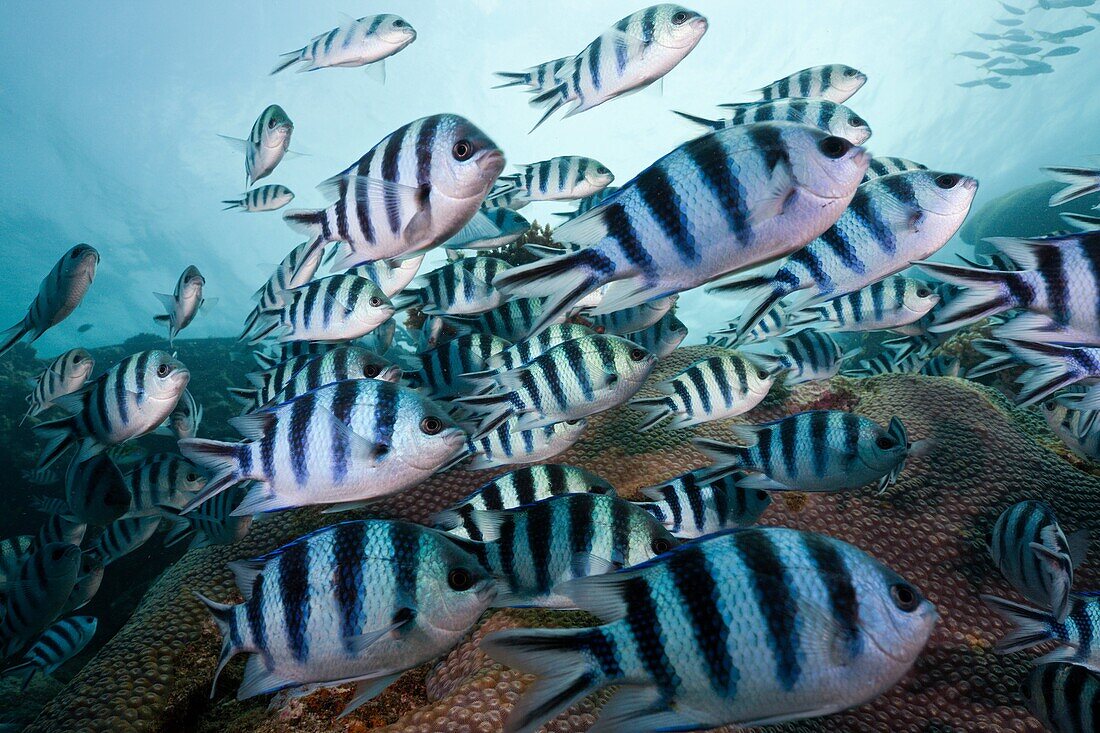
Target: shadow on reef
155,674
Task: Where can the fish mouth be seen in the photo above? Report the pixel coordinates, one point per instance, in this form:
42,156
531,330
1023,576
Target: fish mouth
491,163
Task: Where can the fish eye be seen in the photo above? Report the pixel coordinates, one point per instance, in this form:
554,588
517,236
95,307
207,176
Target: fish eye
948,180
460,579
399,23
761,495
77,358
192,477
834,147
75,253
761,374
1049,405
163,370
680,18
372,371
884,442
849,72
905,597
602,169
572,422
923,292
462,150
637,354
431,425
375,301
660,545
271,124
857,121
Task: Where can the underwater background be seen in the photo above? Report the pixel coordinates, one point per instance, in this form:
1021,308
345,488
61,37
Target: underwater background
109,122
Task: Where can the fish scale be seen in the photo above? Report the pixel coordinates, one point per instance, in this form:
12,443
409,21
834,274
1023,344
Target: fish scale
65,374
59,643
464,287
507,444
831,82
728,629
823,114
889,303
335,308
692,505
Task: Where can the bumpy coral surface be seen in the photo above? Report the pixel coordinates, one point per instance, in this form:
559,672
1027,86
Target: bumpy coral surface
930,527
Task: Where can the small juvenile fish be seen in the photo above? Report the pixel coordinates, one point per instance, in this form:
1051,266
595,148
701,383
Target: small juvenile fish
660,339
1075,636
334,308
57,645
162,480
463,287
132,398
37,594
184,303
714,388
832,82
122,537
692,505
774,323
65,374
529,349
818,450
1035,556
726,630
1064,697
296,269
58,296
212,523
637,51
367,40
442,367
262,198
829,116
354,602
539,78
942,365
344,444
518,488
513,321
415,189
632,319
564,178
887,363
1061,51
570,381
266,145
185,419
88,580
889,303
95,490
807,356
532,550
507,445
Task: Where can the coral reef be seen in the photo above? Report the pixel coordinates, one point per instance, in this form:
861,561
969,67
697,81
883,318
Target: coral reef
1023,212
154,675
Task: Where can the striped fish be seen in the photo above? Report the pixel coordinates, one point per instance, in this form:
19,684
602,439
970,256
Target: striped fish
442,368
886,166
887,363
714,388
88,580
507,445
588,203
692,505
36,596
59,529
276,374
513,321
572,380
1077,429
832,82
185,419
132,398
889,303
183,304
354,602
831,117
391,277
57,645
1064,697
59,294
334,308
807,356
1058,286
344,362
344,444
368,40
635,318
266,145
1078,182
637,51
775,322
212,523
892,221
539,78
529,349
162,479
1075,637
818,450
65,374
794,177
1035,556
532,550
296,269
262,198
562,178
504,227
943,365
95,490
518,488
919,346
462,287
122,537
413,190
1051,368
726,630
42,476
662,338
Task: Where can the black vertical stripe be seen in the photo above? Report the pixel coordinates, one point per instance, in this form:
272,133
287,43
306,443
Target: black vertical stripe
659,195
294,594
833,573
644,623
718,171
700,597
390,156
775,602
348,581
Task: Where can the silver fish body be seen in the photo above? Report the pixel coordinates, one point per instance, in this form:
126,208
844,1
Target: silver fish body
359,42
38,594
262,198
563,178
183,304
693,505
832,82
334,308
831,117
508,445
65,374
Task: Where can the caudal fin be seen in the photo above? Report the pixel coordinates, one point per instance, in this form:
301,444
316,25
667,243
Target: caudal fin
222,462
512,78
224,617
1053,368
997,358
1030,625
233,204
726,457
551,100
306,221
656,409
289,60
1079,182
563,280
59,436
987,292
560,659
13,335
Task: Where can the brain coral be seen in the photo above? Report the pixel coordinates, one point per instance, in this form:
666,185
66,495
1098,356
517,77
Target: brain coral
155,674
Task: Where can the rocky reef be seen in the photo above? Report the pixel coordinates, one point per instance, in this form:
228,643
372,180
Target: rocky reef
154,675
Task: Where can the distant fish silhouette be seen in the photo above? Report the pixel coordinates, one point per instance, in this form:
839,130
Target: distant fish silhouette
85,328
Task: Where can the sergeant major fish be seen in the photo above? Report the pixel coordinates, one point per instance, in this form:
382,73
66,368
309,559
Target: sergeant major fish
65,374
57,645
832,82
508,445
692,505
184,302
266,145
368,40
261,198
37,595
562,178
296,269
833,118
334,308
95,490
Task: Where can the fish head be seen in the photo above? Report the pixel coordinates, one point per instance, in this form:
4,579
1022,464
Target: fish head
275,128
896,618
944,200
569,430
921,298
677,27
846,79
465,162
80,263
165,377
850,126
395,30
77,365
646,537
598,175
189,478
373,308
673,333
881,450
60,561
90,566
426,438
632,362
457,589
190,284
759,379
823,166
